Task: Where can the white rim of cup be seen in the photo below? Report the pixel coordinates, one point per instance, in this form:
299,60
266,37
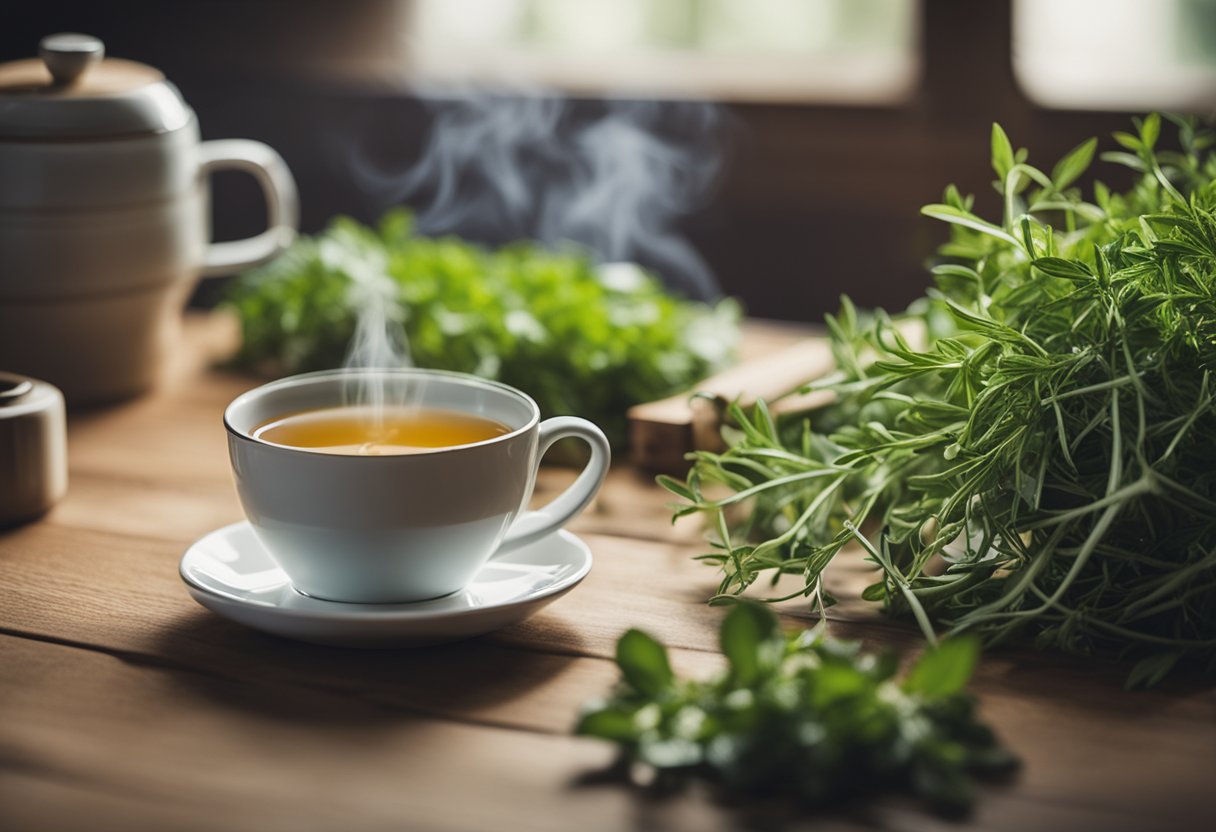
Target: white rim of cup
319,375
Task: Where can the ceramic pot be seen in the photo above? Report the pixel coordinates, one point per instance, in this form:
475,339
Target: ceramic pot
105,217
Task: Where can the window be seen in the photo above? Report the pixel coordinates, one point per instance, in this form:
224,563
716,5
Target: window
833,51
1117,54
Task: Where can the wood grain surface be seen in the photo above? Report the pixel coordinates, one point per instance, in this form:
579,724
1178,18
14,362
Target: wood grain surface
124,705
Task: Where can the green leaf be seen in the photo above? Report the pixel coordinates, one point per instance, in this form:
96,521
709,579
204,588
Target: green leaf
1002,152
676,487
955,270
1152,669
644,664
837,682
1028,236
875,592
1127,160
1066,269
1073,164
1128,140
968,220
744,630
608,723
1150,130
945,669
1102,196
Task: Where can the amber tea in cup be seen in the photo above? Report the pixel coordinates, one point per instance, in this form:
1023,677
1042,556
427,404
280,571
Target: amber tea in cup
378,431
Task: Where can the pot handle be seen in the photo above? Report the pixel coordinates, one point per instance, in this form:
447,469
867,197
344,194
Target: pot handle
282,204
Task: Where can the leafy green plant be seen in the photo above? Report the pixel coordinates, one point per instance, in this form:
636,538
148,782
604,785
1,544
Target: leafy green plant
803,717
580,339
1044,466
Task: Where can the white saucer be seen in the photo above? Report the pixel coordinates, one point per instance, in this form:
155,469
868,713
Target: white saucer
229,572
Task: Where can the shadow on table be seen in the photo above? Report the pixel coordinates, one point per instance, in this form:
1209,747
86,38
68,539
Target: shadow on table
661,806
475,680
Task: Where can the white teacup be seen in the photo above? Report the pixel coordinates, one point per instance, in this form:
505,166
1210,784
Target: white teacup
397,528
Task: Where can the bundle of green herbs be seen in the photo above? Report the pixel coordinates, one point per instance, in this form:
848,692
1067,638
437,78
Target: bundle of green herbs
1043,465
802,717
580,338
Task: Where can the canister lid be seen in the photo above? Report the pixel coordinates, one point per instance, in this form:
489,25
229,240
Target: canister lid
32,431
14,388
72,91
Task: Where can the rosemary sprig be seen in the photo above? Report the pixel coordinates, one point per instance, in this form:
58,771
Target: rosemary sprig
1050,451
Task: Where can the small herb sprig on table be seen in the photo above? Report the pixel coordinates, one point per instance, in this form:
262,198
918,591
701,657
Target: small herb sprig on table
1044,466
803,717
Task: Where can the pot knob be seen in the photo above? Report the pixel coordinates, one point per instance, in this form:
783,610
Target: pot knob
69,55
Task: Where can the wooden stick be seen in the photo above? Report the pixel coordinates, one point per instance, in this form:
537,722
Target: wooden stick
662,432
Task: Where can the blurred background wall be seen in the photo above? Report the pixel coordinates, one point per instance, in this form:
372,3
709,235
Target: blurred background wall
839,118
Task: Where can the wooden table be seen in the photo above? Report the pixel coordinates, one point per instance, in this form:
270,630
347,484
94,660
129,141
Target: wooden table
124,705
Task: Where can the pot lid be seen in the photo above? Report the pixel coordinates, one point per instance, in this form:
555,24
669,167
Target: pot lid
72,91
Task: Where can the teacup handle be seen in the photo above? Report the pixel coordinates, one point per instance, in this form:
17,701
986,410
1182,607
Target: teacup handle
533,525
282,204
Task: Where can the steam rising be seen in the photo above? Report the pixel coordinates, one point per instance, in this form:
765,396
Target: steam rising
379,340
612,177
